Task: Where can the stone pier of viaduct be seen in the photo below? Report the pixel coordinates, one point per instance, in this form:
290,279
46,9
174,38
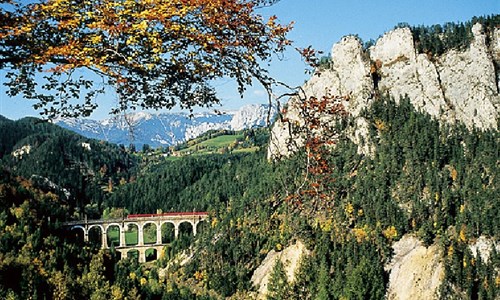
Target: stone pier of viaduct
140,221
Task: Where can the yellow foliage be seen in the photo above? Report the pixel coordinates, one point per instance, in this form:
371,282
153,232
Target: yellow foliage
390,232
360,234
282,227
132,276
214,222
143,281
279,247
199,275
131,40
96,39
497,281
453,174
485,283
462,236
116,293
380,125
18,212
326,225
349,209
450,250
13,229
51,196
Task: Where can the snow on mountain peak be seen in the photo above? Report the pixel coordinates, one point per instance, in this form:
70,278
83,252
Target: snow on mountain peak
165,129
252,115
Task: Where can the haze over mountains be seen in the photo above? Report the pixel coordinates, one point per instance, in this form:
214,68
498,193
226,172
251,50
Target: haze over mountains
167,129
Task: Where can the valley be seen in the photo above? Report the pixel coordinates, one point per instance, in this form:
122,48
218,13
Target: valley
358,190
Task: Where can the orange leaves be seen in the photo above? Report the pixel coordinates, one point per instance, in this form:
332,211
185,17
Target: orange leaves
155,53
381,125
320,116
320,130
199,275
310,57
153,25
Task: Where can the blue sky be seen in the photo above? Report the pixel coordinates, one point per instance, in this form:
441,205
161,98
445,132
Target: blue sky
318,23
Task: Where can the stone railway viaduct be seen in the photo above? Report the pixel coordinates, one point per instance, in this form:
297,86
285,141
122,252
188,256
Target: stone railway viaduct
140,221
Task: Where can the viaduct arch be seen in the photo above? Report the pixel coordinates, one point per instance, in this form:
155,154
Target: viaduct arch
139,220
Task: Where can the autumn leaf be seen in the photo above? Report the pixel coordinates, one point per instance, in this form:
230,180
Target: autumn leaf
144,49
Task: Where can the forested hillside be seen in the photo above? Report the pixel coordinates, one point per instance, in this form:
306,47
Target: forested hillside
437,39
81,169
206,176
416,176
441,185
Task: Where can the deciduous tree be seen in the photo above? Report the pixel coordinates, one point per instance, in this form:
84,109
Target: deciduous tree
154,53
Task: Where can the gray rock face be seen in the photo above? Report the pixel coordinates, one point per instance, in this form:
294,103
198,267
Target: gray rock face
459,86
469,82
405,73
253,115
483,247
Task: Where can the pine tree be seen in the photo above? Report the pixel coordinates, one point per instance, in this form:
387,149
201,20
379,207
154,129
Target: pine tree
278,288
323,282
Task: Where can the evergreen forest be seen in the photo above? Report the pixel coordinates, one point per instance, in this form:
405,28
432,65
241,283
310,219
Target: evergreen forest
441,185
437,182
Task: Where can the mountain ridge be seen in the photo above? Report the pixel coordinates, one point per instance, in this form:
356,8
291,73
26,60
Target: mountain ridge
460,85
168,129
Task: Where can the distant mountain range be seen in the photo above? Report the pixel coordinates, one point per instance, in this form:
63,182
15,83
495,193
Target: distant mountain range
167,129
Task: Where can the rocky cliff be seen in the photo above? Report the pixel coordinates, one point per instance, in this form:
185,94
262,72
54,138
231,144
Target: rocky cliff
416,271
457,86
290,257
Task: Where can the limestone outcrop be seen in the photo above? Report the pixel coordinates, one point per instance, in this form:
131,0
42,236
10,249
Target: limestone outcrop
416,271
483,247
290,257
458,86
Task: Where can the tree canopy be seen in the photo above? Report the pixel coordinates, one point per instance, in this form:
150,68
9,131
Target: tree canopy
154,53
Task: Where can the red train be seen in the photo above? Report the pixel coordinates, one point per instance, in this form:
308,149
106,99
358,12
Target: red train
187,214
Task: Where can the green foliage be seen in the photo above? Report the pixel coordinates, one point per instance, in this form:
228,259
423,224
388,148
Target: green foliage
63,160
325,62
224,141
437,181
278,287
341,269
467,275
165,186
36,260
438,39
427,184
